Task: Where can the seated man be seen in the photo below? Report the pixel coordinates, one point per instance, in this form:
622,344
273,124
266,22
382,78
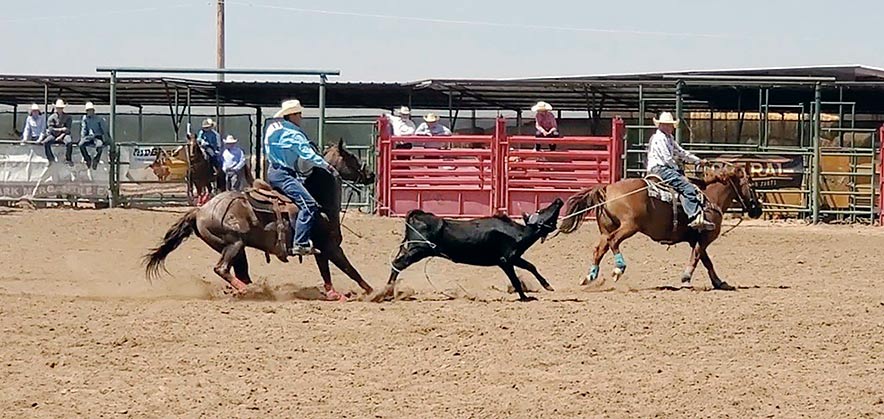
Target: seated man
432,127
58,130
209,141
545,124
234,164
93,131
401,125
664,158
35,126
292,159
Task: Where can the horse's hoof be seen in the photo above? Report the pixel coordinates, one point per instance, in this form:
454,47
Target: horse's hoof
549,288
527,299
724,286
333,295
586,281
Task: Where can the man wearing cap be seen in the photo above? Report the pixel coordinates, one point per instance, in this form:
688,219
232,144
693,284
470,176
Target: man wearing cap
209,141
93,132
545,124
35,126
292,159
234,163
58,130
665,156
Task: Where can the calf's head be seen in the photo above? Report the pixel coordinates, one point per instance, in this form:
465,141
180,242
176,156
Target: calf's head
545,220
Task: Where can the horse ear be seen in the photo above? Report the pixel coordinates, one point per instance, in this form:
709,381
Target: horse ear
341,143
525,217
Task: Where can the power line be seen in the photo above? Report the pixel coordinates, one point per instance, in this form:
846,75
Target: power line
96,14
495,24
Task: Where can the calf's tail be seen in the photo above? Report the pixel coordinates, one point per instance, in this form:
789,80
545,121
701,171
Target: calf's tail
577,205
155,259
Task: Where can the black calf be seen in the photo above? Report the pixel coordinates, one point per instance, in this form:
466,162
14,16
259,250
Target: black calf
490,241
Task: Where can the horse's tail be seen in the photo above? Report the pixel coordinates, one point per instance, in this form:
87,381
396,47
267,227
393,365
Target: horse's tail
577,206
155,259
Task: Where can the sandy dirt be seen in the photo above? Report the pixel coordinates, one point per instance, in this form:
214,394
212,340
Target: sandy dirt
84,334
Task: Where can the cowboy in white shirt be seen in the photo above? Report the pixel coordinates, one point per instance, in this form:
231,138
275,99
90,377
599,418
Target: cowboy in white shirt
665,156
402,124
35,126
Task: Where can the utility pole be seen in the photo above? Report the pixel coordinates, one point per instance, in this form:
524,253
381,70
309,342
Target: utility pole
220,58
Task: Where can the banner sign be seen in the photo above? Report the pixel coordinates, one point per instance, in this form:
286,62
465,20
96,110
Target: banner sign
767,171
26,173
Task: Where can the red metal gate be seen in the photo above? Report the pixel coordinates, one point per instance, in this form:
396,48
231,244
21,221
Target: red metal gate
478,175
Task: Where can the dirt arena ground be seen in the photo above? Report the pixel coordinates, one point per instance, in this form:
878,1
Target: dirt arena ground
84,334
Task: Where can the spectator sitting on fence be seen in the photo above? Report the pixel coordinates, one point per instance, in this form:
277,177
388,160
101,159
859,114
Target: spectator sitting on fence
35,126
93,132
545,124
432,127
210,142
58,130
234,164
401,124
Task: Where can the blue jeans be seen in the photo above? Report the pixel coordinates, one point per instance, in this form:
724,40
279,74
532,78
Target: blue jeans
93,140
286,180
691,198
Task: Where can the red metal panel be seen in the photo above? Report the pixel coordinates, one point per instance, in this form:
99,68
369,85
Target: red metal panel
881,176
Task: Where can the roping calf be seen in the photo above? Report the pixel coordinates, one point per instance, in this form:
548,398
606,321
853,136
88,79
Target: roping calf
489,241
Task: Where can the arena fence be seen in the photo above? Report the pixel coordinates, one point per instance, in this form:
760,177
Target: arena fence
477,175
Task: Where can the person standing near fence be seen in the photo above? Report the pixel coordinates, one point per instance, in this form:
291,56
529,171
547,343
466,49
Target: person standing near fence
58,130
234,163
209,141
93,132
35,126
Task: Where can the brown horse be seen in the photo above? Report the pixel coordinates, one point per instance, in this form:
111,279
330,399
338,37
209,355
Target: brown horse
229,223
625,208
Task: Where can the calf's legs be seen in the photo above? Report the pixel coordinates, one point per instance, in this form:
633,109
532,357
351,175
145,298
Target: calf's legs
528,266
511,274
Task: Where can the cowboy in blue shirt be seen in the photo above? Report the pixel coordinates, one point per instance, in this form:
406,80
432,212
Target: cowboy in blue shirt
292,158
210,142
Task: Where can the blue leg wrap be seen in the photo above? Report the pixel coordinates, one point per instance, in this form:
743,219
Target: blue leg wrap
593,272
619,261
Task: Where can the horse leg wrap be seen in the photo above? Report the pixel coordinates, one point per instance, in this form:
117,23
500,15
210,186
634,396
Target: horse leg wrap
619,262
593,272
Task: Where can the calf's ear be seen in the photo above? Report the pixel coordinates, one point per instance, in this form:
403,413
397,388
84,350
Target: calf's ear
525,217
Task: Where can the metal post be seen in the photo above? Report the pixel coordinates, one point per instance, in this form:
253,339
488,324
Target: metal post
679,111
641,116
450,106
218,110
114,158
45,99
14,116
519,122
815,190
189,112
321,131
259,134
140,123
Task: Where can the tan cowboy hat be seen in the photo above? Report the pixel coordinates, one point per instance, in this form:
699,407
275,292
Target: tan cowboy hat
36,107
404,111
665,118
289,107
230,140
541,107
431,117
89,106
208,123
59,104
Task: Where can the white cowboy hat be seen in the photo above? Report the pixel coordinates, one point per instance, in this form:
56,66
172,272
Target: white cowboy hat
541,106
208,122
665,118
404,111
59,104
289,107
230,140
431,117
36,107
89,106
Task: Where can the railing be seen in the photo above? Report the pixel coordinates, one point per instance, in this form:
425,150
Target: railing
477,175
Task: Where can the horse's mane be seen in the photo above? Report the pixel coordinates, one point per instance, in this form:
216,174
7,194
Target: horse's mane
720,175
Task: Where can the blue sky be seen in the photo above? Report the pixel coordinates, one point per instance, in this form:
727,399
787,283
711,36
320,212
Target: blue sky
394,41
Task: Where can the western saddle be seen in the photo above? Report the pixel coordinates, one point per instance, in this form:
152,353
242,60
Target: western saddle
263,198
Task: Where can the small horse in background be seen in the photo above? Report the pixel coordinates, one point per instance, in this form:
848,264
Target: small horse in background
202,179
230,222
626,207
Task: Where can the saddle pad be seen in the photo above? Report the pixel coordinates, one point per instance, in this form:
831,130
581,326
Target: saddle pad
267,196
661,192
